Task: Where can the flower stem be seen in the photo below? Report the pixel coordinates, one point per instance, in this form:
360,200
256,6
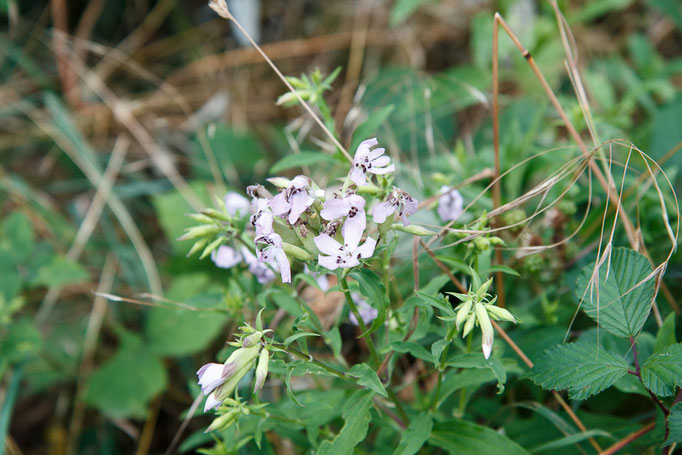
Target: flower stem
309,358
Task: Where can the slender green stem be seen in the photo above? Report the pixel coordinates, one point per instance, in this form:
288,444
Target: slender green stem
374,358
311,359
8,405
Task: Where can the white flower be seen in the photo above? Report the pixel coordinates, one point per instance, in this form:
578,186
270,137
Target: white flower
293,200
236,204
226,257
210,377
450,204
273,252
353,208
262,272
367,312
367,160
262,216
344,256
397,200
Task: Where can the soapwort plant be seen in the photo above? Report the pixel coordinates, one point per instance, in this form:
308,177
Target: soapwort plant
295,233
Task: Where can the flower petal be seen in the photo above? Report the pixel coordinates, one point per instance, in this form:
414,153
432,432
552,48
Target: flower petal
334,208
279,204
381,161
367,248
300,201
283,263
357,176
225,257
363,148
376,153
212,402
327,245
328,262
264,224
382,170
210,377
353,228
236,204
381,211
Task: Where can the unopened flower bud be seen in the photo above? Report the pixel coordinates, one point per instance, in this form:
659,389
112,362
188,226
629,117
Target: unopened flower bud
297,252
469,325
500,313
487,331
279,182
462,313
412,229
262,369
224,422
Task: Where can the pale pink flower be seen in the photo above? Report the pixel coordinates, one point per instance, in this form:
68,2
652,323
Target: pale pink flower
398,200
262,272
344,256
236,204
293,200
272,252
353,208
449,204
226,257
367,312
367,160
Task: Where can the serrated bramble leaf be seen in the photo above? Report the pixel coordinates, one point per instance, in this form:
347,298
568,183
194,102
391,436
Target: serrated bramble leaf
367,377
662,372
622,300
675,425
584,369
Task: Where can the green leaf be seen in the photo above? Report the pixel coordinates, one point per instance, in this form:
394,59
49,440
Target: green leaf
301,159
123,386
437,349
16,237
367,377
60,271
178,332
404,9
296,336
666,334
415,435
569,440
21,341
415,350
356,416
466,438
582,368
436,302
371,287
675,425
477,360
622,303
663,371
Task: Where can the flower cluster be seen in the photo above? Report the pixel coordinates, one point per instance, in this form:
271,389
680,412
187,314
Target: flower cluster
305,222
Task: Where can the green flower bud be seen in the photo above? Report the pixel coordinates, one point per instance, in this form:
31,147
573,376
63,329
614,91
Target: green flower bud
279,182
200,231
463,312
224,422
262,369
297,252
412,229
487,331
237,365
469,325
500,313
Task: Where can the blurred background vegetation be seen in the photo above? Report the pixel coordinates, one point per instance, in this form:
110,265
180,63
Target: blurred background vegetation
119,118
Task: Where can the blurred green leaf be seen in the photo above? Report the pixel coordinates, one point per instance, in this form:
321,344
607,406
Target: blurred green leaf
466,438
18,341
123,386
178,332
356,418
403,9
301,159
415,435
368,129
477,360
666,334
16,238
60,271
675,424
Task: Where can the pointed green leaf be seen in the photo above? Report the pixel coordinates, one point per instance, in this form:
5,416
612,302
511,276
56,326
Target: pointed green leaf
663,371
477,360
622,301
367,377
415,350
436,302
356,416
582,368
415,435
666,334
466,438
296,336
